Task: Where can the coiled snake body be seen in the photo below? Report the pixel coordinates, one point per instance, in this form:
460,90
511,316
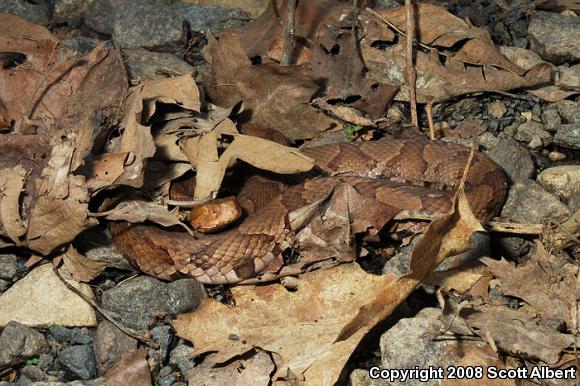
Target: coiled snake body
396,174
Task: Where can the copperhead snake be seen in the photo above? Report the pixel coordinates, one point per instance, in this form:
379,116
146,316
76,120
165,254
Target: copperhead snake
396,174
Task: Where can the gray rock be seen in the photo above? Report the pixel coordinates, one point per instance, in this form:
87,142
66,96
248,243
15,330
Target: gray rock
110,344
528,202
182,356
34,13
92,382
488,141
384,4
46,360
513,247
140,301
568,135
563,181
99,241
70,335
35,374
145,65
533,134
162,335
551,119
167,380
78,362
409,344
82,44
554,36
70,11
513,158
160,25
4,284
568,110
18,343
102,14
11,267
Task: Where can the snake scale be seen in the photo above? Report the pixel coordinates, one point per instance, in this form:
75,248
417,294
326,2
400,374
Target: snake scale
396,174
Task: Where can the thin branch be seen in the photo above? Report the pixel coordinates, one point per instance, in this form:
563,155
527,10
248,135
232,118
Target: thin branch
410,75
277,12
429,109
132,333
289,34
446,54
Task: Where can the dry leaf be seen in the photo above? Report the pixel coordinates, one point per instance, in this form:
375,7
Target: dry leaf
475,64
544,282
514,332
81,268
274,96
337,60
251,370
103,170
60,212
180,90
461,279
135,211
136,138
302,331
131,369
11,187
261,153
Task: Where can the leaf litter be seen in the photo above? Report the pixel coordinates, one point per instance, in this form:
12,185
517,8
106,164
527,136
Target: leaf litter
57,166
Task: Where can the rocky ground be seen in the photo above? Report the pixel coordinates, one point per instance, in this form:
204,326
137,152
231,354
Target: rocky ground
536,142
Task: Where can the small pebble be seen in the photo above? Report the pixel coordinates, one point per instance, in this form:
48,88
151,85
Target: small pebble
556,156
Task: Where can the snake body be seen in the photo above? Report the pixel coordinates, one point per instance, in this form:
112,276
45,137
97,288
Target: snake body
394,175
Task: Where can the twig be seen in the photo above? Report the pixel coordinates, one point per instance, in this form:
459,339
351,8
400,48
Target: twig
276,12
186,204
429,109
492,226
427,47
410,75
289,34
105,313
354,19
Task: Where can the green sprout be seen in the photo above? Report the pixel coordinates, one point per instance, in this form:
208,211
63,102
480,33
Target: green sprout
32,361
350,131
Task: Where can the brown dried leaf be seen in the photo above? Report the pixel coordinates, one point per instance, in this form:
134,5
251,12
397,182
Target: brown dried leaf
136,138
44,87
514,332
11,186
60,212
264,35
103,170
131,369
475,65
253,369
273,96
261,153
558,5
299,326
340,64
544,282
180,90
81,268
134,211
461,279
